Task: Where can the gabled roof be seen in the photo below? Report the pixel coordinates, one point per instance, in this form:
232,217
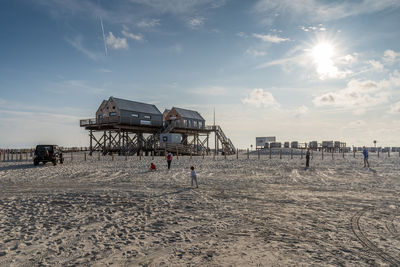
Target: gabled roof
129,105
190,114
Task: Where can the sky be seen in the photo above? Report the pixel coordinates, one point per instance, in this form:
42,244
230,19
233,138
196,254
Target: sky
299,70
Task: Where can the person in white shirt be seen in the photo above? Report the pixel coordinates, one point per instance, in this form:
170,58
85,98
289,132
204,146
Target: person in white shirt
193,175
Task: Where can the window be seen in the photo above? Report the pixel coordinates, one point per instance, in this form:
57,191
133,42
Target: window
135,115
184,123
100,116
195,124
147,117
113,114
200,124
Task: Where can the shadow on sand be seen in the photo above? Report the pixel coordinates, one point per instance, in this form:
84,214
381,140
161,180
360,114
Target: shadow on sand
20,167
174,193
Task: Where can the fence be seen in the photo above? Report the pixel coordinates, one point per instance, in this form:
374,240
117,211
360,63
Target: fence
82,154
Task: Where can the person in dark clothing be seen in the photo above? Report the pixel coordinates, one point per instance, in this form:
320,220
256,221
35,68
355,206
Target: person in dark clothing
308,158
169,160
365,154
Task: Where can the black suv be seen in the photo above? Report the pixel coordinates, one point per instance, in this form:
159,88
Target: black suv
48,153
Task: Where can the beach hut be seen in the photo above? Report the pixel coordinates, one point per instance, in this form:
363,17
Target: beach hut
185,118
275,145
294,144
117,110
286,145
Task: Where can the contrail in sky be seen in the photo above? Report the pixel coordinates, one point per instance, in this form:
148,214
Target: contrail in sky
104,37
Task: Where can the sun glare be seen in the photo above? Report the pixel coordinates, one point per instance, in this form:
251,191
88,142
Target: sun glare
322,54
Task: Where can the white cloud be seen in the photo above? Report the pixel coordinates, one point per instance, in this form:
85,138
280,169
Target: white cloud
180,6
258,97
149,23
300,111
116,42
104,70
255,53
395,108
318,28
77,43
136,37
390,56
376,65
242,34
195,22
357,96
270,38
315,10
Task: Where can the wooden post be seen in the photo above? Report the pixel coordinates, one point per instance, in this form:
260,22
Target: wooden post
203,154
99,155
291,153
72,157
354,153
343,151
152,154
165,152
301,153
332,154
177,153
258,154
322,150
12,156
389,153
312,154
112,156
190,154
85,156
214,155
140,155
225,153
280,154
26,156
270,153
20,156
378,152
237,153
248,154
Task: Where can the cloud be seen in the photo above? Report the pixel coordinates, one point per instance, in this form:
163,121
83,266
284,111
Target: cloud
270,38
300,111
357,96
196,22
149,23
77,43
282,61
2,101
242,34
258,97
104,70
315,10
395,108
179,6
255,53
390,56
136,37
116,42
176,48
376,65
318,28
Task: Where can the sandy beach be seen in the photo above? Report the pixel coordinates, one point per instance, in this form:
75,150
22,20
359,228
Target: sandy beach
246,212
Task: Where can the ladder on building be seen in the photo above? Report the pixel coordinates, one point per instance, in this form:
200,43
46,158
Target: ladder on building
227,145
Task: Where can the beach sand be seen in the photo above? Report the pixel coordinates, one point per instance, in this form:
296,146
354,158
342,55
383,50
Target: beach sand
246,212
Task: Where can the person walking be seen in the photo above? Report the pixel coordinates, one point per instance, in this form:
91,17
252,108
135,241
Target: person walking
169,159
308,158
365,153
193,177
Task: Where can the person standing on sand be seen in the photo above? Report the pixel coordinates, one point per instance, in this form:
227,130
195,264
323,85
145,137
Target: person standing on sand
308,158
365,153
169,159
193,175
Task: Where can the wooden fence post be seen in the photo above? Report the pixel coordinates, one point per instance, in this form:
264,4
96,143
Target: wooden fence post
270,153
140,154
203,154
126,157
343,151
301,153
388,153
85,156
248,154
99,155
72,157
280,154
177,153
332,154
258,154
322,150
112,156
378,152
237,153
20,156
291,153
152,154
354,153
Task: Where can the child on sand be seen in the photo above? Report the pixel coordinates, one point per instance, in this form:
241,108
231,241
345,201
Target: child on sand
193,175
153,167
308,158
169,160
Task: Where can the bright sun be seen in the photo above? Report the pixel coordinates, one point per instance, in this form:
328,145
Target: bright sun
322,54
